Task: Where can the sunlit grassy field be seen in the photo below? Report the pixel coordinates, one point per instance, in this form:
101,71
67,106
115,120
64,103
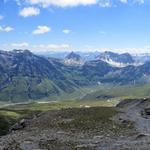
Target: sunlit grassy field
9,114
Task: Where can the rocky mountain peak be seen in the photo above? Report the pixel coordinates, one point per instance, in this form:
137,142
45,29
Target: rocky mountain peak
115,59
73,56
73,59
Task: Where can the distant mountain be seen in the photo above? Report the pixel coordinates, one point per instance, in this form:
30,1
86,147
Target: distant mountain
26,76
142,57
73,56
95,70
87,56
53,54
115,59
73,59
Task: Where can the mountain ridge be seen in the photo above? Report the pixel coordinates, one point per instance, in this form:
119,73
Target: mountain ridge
115,59
26,76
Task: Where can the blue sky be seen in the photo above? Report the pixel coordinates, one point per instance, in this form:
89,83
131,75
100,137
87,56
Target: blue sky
80,25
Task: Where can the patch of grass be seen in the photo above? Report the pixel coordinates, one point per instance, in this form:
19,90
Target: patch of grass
11,114
56,105
72,115
56,144
87,120
10,117
118,92
98,122
90,118
5,123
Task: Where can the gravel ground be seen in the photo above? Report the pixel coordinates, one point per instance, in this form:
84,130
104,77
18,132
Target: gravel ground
57,130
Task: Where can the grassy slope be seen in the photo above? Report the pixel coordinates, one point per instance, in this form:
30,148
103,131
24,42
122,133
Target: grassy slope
95,119
52,92
9,117
119,92
22,90
12,113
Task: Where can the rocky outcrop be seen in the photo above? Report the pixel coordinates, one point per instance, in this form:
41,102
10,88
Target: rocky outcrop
19,125
137,111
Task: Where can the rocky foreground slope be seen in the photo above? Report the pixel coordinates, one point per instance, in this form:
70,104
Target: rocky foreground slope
99,128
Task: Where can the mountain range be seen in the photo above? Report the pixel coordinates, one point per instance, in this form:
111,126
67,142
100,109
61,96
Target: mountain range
26,76
119,60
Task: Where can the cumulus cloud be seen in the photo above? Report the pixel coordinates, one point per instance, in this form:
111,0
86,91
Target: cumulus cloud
20,45
38,47
105,3
62,3
66,31
73,3
131,50
41,30
52,47
29,11
6,29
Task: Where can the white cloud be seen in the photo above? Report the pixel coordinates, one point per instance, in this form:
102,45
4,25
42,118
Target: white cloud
6,29
41,30
20,45
131,50
66,31
1,17
29,11
62,3
58,47
73,3
37,47
124,1
44,47
140,1
105,3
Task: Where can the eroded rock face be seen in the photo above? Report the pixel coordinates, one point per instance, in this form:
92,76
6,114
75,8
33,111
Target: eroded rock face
147,111
20,125
137,111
